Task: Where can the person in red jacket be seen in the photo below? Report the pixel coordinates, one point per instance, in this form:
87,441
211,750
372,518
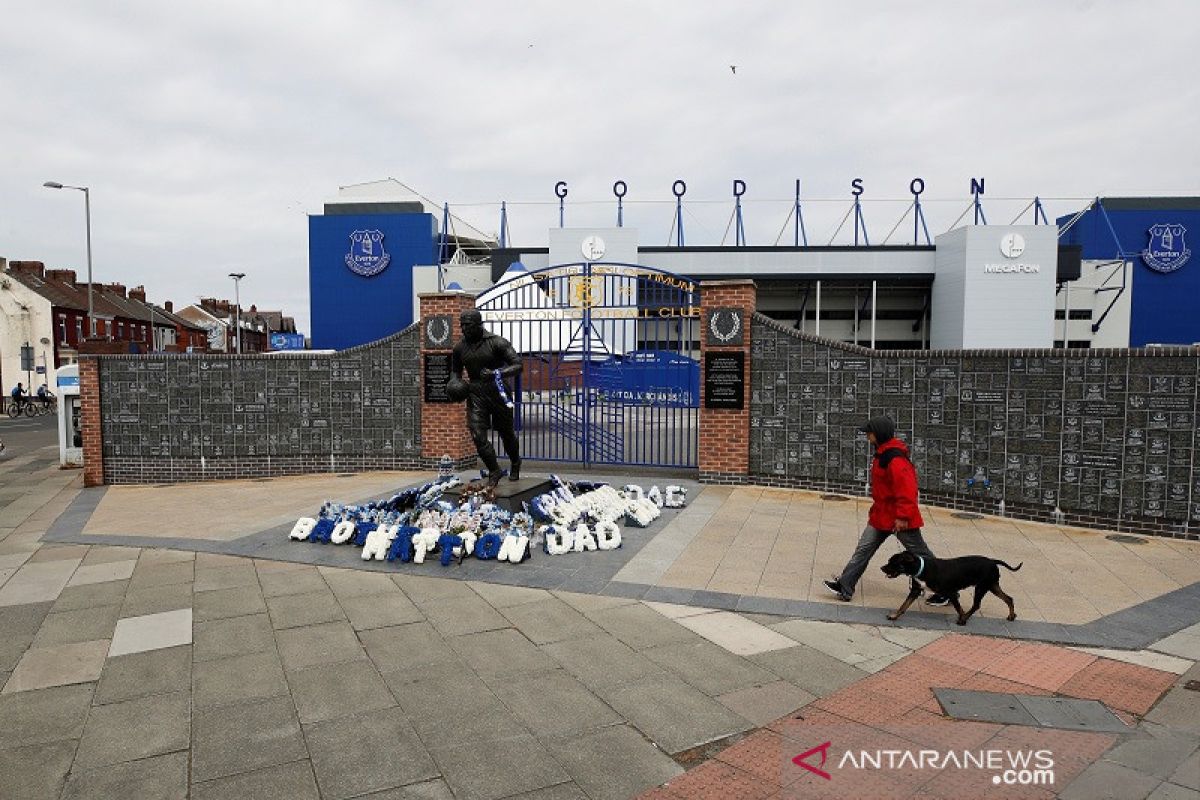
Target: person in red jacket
893,509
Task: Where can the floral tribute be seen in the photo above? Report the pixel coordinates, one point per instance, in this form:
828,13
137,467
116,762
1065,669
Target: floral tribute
418,524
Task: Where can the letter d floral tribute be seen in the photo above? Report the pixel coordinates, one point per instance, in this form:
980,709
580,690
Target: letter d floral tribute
417,523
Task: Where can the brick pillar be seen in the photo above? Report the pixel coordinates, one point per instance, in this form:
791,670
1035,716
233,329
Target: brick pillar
444,425
89,405
724,455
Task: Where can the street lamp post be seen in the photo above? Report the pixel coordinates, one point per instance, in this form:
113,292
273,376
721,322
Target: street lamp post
237,308
87,210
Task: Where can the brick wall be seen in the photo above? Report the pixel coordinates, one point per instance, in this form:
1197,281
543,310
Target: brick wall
90,422
1097,438
724,436
444,425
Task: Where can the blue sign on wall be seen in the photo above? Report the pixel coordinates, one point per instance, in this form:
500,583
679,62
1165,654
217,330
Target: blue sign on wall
287,341
360,274
1150,234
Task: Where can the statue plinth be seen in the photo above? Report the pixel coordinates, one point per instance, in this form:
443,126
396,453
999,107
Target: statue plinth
510,495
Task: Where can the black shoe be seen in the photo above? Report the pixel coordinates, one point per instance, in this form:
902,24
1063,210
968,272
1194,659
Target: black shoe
836,588
514,471
938,600
493,478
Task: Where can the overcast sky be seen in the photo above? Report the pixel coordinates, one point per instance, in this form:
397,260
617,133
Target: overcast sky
207,131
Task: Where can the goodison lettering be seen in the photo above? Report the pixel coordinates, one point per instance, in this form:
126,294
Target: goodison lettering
1032,269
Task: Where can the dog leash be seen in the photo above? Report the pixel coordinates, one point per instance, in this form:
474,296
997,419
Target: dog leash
917,574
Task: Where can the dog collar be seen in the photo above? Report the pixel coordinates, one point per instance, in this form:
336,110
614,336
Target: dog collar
922,569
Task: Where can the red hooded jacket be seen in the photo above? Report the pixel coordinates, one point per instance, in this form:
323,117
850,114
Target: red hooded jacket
893,489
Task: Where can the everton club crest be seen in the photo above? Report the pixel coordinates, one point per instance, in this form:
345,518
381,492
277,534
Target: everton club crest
1167,251
367,256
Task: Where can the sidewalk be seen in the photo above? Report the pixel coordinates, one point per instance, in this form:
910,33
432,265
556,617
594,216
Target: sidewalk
185,649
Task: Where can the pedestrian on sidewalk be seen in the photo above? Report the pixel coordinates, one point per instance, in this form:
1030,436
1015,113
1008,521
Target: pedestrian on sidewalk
893,508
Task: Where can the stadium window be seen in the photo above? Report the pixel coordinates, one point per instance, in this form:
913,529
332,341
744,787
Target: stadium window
1081,313
1079,344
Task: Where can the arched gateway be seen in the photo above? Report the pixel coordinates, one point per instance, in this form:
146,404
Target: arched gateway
611,362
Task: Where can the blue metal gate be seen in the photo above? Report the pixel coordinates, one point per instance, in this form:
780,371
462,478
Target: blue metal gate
611,371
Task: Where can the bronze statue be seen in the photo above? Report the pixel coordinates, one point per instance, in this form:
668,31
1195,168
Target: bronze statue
488,360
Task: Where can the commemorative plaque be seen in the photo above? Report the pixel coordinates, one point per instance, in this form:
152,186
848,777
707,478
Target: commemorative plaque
437,373
724,380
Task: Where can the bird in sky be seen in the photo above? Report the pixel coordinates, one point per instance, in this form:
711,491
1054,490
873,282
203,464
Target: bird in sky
733,68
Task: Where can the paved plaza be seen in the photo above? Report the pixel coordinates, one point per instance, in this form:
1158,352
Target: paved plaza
169,641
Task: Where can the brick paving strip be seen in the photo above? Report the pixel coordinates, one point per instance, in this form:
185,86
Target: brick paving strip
895,709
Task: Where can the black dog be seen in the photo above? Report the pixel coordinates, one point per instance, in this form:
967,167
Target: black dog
948,576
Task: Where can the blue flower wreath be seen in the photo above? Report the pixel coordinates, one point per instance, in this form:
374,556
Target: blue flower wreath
488,546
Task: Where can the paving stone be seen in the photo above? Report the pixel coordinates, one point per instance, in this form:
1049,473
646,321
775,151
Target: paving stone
347,583
412,647
380,610
767,703
588,603
559,791
19,625
159,778
299,581
329,643
73,598
226,577
59,552
135,729
224,603
601,661
642,765
82,625
152,632
44,715
361,753
245,737
35,772
256,676
422,590
298,610
472,773
1179,710
426,790
813,671
105,555
59,665
1106,779
234,636
500,653
446,711
640,627
711,669
146,575
100,573
672,714
735,633
154,556
1159,754
551,703
156,599
140,674
1172,791
500,595
548,620
1188,773
843,642
292,781
336,690
462,615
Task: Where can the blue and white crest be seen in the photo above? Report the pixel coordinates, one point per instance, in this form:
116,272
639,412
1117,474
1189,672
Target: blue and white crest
367,256
1167,250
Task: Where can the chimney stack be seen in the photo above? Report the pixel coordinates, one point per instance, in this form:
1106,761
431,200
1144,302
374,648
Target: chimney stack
28,267
115,288
138,293
63,275
169,306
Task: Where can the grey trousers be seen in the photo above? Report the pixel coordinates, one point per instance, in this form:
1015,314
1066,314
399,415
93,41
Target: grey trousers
868,543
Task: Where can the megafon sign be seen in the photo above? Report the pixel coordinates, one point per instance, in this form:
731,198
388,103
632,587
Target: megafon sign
1012,247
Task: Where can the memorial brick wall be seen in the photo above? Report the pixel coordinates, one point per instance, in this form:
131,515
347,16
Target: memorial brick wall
1098,438
176,417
